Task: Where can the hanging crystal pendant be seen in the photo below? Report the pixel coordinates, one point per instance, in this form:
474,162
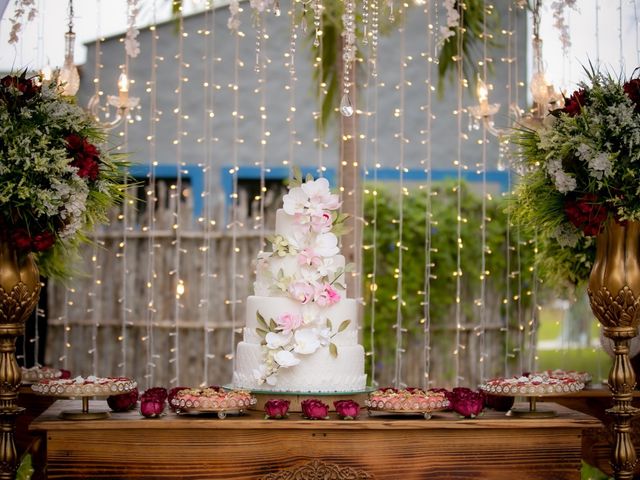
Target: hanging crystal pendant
346,109
316,41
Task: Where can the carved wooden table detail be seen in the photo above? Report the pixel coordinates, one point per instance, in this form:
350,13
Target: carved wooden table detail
248,447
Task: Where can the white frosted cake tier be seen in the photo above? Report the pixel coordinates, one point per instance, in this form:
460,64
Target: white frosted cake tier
320,372
271,307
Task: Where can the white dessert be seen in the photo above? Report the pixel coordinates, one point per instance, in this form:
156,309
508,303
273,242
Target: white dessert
301,331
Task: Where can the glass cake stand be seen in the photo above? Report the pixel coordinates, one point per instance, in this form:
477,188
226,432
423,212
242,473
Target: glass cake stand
84,391
297,397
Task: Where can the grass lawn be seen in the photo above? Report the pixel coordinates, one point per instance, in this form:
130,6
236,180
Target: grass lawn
587,359
594,361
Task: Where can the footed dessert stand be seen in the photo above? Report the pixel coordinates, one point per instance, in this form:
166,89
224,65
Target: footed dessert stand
212,400
531,388
102,387
404,402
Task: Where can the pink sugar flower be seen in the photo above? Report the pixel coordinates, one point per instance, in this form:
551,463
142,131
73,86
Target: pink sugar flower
326,296
308,257
288,321
302,291
321,223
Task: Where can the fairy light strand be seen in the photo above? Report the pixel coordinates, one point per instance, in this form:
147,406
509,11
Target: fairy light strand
458,164
124,296
264,135
397,378
620,39
428,167
597,32
234,202
507,298
483,221
96,266
374,241
291,87
637,29
321,93
176,194
204,304
152,200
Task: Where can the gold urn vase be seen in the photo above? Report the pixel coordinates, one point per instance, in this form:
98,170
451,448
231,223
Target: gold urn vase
19,292
614,294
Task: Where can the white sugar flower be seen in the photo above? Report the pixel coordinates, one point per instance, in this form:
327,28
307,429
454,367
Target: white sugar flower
326,245
328,267
285,359
277,340
295,202
320,196
307,341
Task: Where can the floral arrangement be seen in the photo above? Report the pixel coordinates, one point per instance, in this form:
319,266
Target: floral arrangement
315,284
55,180
580,169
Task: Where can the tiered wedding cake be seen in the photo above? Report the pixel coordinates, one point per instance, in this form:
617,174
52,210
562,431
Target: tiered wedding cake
301,331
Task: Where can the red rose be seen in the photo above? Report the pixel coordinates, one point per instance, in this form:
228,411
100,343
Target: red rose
43,241
153,402
151,407
87,167
21,239
65,373
632,89
313,409
573,105
586,213
123,402
347,409
74,143
466,402
276,408
156,392
89,149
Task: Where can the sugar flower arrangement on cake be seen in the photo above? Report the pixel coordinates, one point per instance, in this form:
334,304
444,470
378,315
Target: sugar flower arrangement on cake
56,180
315,279
579,169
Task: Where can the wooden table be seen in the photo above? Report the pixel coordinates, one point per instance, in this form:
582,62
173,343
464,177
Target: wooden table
248,447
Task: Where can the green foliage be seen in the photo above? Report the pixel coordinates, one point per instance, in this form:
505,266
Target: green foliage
475,18
589,472
443,207
25,470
